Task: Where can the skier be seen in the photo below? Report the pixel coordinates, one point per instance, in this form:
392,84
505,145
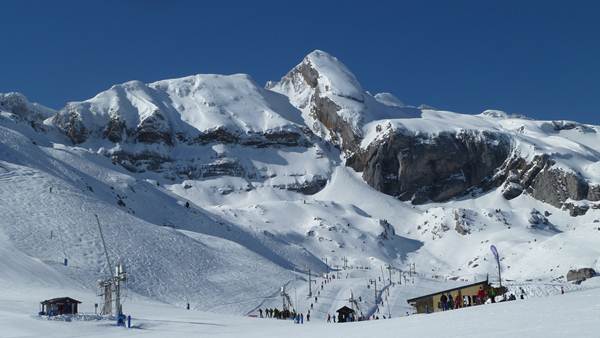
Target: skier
187,204
308,316
562,290
328,318
259,312
301,318
450,302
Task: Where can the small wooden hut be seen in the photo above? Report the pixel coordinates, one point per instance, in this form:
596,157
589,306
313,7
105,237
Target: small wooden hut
345,314
59,306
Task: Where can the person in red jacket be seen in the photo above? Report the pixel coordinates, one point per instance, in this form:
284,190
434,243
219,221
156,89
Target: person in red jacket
481,296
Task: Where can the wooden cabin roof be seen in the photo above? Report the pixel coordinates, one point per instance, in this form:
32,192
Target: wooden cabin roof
61,300
345,309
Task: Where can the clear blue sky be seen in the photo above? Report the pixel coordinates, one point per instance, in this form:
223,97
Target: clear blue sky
539,58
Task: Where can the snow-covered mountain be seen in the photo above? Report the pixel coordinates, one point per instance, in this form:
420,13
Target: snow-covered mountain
188,108
332,101
211,187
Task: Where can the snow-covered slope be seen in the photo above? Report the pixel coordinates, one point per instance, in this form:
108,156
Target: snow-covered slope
217,192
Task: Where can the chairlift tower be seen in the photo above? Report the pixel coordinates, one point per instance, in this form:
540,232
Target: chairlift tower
112,284
285,297
119,279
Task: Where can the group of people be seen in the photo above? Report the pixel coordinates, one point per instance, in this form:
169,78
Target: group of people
283,314
298,317
448,302
275,313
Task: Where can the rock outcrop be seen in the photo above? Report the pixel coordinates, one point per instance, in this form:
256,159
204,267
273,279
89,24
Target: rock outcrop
579,275
69,121
423,168
546,182
308,187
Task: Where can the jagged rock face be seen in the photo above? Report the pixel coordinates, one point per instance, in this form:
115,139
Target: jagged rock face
154,129
139,162
342,133
537,220
220,135
309,187
512,190
115,129
554,186
388,231
462,221
219,167
70,122
286,138
545,182
436,168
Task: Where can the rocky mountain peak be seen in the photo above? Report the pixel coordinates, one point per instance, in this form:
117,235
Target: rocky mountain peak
334,104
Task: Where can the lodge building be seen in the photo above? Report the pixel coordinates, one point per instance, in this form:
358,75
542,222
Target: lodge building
429,303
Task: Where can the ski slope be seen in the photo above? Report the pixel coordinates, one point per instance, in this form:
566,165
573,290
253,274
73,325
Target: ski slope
572,314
